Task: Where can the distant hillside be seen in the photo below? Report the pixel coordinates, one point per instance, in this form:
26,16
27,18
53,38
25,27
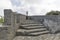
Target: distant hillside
53,13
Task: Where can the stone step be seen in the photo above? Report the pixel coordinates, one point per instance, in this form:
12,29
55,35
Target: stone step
30,22
39,33
22,30
32,25
30,28
32,33
36,31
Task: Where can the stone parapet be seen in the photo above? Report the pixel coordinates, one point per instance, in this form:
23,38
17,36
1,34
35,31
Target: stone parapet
4,32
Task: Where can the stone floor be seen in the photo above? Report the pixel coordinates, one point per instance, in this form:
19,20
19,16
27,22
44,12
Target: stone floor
41,37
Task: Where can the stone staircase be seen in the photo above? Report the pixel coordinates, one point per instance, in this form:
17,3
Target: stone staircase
31,28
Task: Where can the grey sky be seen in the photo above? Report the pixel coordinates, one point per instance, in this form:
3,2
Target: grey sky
35,7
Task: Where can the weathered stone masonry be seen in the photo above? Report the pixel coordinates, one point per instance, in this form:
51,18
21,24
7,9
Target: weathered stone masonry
12,20
51,22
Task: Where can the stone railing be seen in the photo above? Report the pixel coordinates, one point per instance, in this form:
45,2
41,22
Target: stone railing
52,22
53,26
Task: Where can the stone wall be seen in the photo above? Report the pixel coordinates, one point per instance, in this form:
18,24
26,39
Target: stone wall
3,33
12,19
52,22
40,18
21,18
7,16
7,32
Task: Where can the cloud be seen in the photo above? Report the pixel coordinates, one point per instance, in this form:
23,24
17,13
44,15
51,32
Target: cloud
5,4
16,2
34,7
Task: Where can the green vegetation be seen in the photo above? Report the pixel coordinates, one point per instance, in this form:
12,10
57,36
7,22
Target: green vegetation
53,13
1,20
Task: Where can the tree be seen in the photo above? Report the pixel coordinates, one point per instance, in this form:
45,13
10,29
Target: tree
1,20
53,13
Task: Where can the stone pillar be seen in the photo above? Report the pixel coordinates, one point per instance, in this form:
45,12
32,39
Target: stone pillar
7,16
9,19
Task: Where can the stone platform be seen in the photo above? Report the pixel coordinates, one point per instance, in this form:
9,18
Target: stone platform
41,37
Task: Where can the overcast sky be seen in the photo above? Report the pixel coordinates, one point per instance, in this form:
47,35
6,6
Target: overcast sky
34,7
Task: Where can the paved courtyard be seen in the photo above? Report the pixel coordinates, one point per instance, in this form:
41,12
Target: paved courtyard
41,37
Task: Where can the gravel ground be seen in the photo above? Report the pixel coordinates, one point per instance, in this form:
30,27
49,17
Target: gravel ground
41,37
